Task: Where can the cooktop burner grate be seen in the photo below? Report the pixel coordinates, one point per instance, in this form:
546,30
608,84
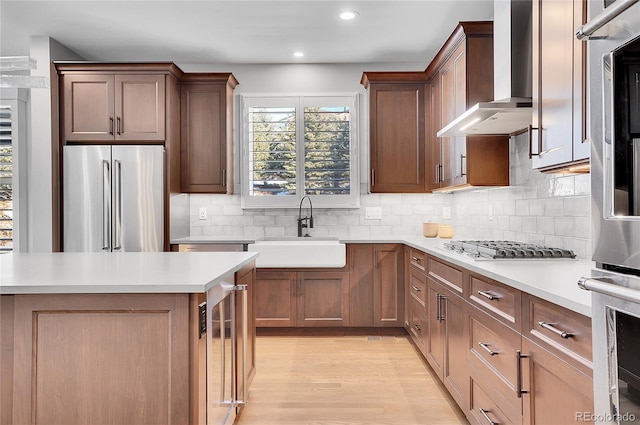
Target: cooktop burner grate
507,249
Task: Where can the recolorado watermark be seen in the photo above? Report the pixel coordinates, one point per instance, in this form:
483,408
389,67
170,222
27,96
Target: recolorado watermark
605,417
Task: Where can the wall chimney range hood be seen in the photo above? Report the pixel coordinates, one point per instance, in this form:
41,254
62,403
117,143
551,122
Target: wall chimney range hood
511,110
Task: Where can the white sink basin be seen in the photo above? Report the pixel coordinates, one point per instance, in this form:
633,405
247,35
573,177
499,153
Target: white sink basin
299,252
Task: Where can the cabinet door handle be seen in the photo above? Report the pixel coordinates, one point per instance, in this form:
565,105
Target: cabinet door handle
530,132
111,126
437,173
488,295
373,177
442,175
552,328
485,413
462,158
416,259
119,124
439,315
487,349
416,327
224,177
415,288
519,390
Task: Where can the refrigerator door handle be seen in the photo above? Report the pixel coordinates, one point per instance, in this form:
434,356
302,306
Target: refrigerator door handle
106,206
117,244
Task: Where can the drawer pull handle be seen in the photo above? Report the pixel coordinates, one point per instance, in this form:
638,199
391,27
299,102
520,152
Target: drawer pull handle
417,328
550,327
415,288
487,349
416,259
485,413
488,295
519,390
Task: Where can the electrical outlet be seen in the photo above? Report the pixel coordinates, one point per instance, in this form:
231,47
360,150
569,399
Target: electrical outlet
202,213
446,212
373,213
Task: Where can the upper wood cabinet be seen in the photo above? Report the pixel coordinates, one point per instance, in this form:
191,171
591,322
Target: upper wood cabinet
558,137
396,131
460,76
206,145
107,107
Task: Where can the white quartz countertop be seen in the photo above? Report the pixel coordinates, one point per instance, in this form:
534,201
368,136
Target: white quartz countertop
554,280
126,272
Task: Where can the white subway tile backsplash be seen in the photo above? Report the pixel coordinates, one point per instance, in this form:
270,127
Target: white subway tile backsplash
539,208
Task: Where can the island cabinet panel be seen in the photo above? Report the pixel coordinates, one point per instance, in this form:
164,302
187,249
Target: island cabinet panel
275,298
323,299
93,358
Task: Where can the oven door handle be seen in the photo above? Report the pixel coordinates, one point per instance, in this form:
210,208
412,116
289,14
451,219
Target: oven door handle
603,18
610,289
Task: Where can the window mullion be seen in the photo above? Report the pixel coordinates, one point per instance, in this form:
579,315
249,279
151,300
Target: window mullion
300,149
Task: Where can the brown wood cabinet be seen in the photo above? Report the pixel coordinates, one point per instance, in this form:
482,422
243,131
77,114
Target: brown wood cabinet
117,358
396,131
460,76
275,297
207,133
558,139
108,107
376,285
322,299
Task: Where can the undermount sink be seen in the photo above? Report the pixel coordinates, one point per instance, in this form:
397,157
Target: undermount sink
299,252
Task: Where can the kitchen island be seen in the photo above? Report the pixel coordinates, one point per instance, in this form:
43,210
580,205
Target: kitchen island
108,338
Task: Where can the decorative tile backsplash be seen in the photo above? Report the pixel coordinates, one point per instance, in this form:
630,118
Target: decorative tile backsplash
546,209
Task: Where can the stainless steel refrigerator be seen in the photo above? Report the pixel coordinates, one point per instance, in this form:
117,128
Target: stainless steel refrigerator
113,198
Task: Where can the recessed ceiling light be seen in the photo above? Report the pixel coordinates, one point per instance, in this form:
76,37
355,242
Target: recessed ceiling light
298,54
349,15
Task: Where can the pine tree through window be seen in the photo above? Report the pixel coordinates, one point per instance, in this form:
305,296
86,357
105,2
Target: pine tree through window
298,146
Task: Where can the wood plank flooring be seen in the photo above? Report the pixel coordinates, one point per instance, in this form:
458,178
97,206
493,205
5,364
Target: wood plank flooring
345,380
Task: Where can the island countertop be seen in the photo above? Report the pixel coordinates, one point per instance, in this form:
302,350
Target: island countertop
125,272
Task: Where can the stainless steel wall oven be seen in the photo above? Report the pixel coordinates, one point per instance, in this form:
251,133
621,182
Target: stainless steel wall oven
613,34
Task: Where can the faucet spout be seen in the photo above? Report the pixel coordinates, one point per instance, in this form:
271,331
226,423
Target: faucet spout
305,222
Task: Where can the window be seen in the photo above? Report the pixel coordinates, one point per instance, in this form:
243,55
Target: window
297,146
6,180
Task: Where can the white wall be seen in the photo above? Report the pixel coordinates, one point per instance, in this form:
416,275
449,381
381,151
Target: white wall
40,142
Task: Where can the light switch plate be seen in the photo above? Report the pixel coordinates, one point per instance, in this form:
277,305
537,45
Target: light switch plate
202,213
446,212
373,213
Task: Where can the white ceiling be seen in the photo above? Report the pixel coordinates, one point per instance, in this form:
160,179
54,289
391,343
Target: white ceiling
243,32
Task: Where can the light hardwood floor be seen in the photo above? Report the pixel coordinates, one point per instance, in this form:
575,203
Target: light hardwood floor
345,380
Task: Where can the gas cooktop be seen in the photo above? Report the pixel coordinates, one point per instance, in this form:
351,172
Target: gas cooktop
507,250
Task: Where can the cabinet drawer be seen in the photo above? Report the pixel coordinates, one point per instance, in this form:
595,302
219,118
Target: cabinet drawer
417,324
484,410
566,332
418,286
497,299
446,274
418,259
491,355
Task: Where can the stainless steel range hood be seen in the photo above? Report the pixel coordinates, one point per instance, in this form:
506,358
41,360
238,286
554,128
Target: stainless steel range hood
511,110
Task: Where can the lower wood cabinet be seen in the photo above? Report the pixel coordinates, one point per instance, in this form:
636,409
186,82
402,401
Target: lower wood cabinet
275,298
554,390
499,351
446,340
369,292
306,298
376,296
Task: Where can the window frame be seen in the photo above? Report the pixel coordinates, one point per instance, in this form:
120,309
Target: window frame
300,101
